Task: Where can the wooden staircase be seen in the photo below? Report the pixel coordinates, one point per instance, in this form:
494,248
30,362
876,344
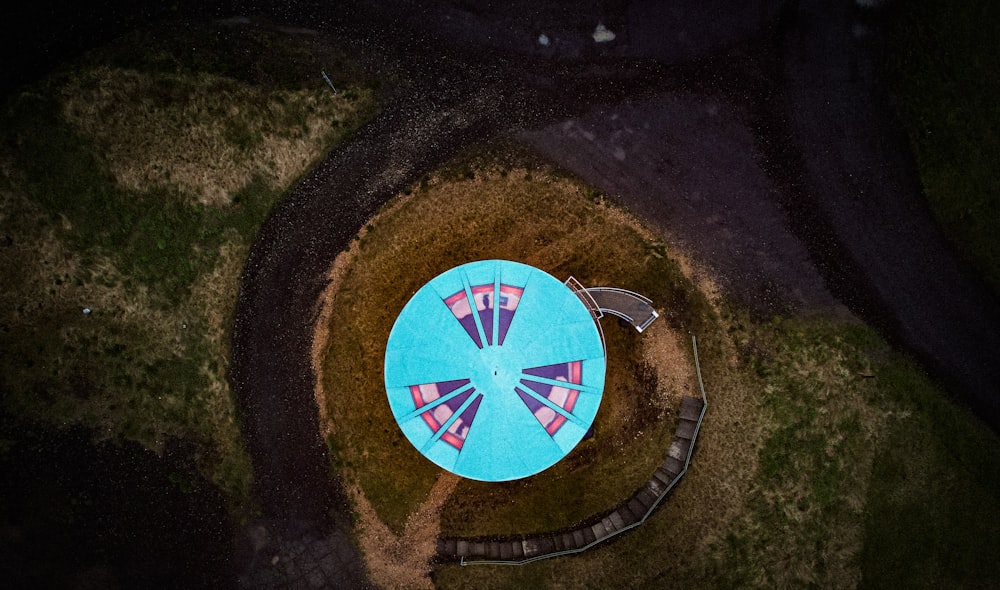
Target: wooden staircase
599,528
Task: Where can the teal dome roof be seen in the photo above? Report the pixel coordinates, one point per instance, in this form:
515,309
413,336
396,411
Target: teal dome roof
494,370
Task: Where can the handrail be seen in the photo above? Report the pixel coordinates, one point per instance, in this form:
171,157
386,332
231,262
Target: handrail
588,300
656,503
650,317
644,299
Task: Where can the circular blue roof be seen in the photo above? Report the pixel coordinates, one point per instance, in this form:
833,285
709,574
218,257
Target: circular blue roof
494,370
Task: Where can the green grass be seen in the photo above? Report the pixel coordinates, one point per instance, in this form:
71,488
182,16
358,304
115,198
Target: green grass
825,460
943,58
813,461
133,183
933,513
157,238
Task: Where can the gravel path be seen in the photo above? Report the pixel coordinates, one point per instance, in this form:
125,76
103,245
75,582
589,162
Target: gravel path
862,182
282,283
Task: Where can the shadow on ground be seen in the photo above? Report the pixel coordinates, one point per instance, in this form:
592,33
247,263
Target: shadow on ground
81,515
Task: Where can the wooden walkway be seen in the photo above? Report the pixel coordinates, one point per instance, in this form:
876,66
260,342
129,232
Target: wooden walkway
601,527
631,307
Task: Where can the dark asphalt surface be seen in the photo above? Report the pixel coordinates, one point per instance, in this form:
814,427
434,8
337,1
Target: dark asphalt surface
862,182
754,134
285,276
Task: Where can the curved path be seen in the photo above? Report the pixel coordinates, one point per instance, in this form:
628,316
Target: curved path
736,157
284,277
444,110
862,182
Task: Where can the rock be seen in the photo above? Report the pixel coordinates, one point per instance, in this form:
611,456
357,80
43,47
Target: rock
602,34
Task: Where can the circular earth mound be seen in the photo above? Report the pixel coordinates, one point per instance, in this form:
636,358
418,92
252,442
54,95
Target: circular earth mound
554,224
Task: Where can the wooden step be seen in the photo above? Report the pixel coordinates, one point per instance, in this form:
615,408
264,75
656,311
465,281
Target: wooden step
447,546
600,531
617,520
646,498
546,545
664,477
636,507
672,466
656,486
679,449
686,428
691,407
627,516
530,546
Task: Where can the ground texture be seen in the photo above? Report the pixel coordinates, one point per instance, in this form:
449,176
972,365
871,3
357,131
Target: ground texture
763,151
758,142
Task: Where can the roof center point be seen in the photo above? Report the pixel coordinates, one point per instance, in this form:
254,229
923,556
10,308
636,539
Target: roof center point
499,368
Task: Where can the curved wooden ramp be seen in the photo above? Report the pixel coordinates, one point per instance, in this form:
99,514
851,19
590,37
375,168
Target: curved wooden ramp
631,307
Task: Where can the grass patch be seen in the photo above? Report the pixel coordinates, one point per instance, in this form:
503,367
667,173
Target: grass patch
132,183
943,58
826,460
543,220
933,513
813,460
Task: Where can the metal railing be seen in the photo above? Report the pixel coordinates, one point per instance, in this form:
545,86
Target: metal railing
659,498
645,305
588,301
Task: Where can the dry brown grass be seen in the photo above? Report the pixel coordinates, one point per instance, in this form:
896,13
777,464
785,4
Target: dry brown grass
778,489
837,425
150,362
52,284
403,561
541,219
205,135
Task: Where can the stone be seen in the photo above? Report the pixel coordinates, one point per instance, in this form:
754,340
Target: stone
602,34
